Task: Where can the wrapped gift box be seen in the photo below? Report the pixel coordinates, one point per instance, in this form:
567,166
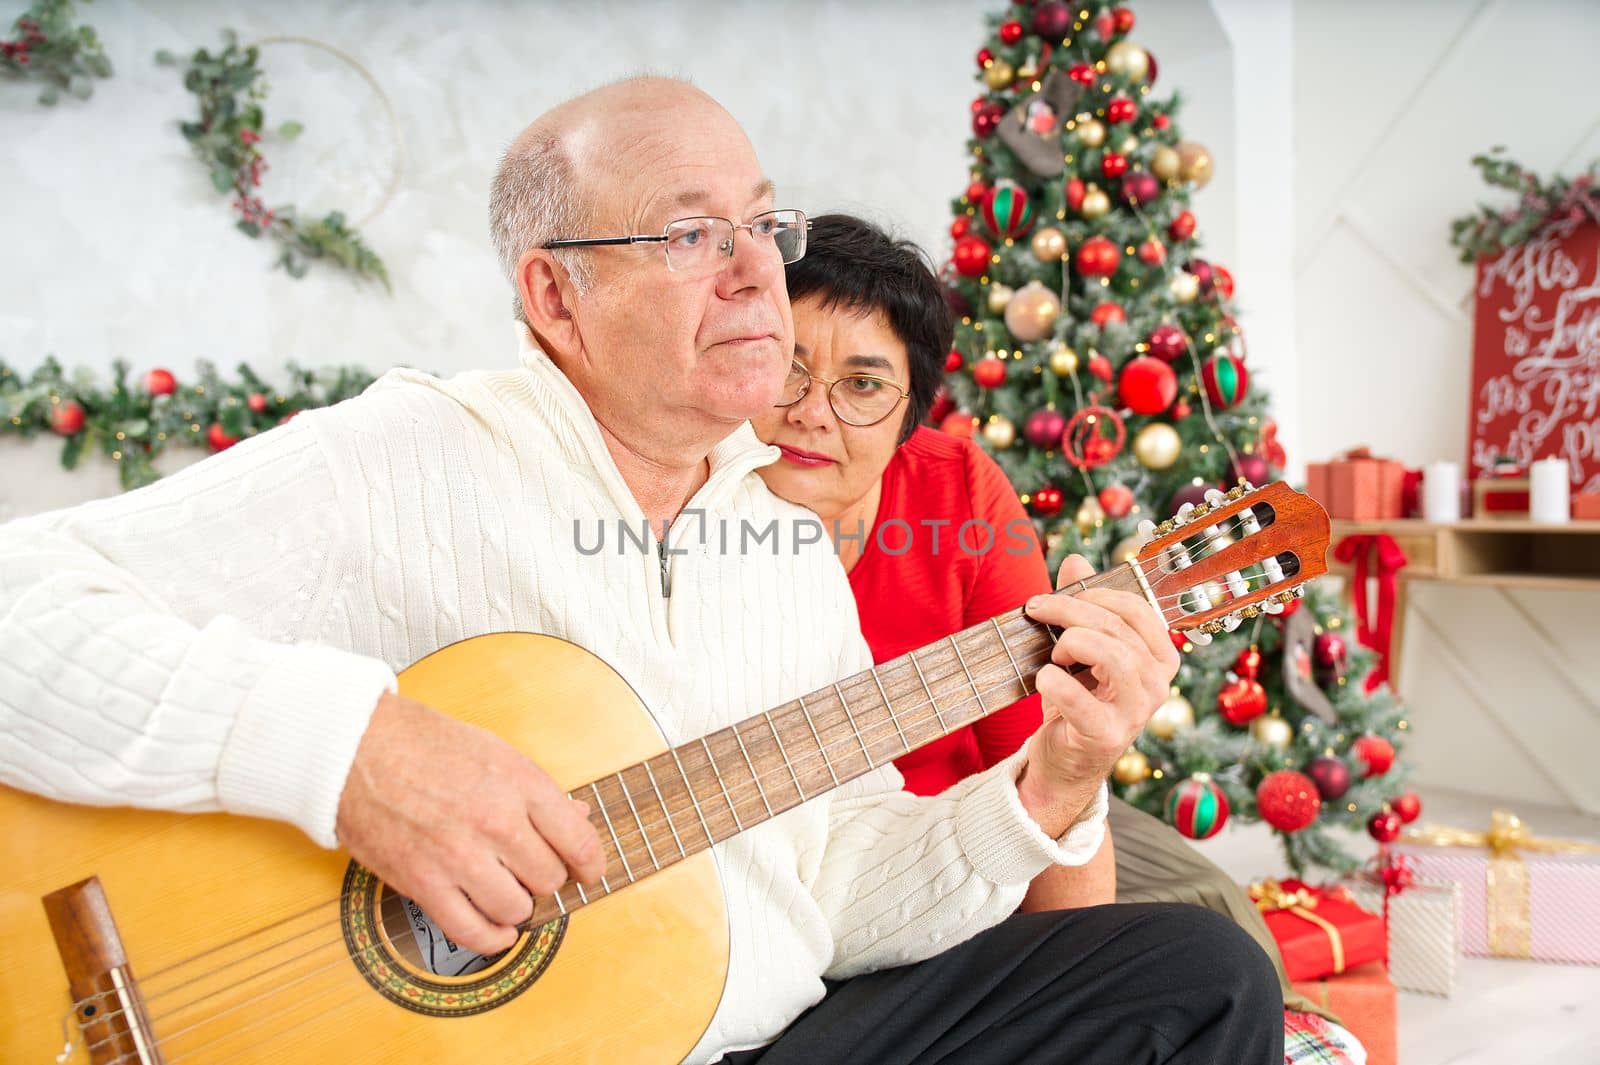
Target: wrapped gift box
1500,497
1318,932
1424,927
1358,487
1521,897
1363,999
1586,506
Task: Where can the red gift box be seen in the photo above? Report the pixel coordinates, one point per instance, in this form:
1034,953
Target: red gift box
1358,487
1363,999
1586,506
1319,932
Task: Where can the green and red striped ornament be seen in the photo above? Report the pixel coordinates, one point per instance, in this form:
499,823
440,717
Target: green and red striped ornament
1197,807
1007,211
1226,380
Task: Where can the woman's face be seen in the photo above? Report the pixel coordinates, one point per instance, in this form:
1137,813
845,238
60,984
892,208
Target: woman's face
827,465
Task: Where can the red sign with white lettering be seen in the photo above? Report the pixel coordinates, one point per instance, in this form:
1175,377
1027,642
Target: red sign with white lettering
1536,353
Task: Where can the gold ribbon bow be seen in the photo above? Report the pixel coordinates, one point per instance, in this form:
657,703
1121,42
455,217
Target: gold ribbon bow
1506,878
1270,896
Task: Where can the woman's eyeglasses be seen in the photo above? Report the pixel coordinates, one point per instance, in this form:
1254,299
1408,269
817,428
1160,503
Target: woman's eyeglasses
859,399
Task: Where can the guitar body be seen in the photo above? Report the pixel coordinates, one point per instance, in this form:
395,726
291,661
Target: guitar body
248,943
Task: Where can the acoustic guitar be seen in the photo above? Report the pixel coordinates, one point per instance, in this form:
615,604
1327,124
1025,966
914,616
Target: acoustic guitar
205,938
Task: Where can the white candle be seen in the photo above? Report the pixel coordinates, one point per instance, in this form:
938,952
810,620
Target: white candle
1441,492
1549,491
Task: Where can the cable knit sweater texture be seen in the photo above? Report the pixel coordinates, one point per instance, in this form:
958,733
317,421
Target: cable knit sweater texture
218,640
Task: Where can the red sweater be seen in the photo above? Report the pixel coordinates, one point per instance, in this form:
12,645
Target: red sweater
938,586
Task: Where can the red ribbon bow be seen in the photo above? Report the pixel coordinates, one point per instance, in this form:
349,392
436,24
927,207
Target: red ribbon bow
1396,873
1374,554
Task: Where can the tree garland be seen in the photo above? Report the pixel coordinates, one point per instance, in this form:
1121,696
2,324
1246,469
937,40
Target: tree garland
47,47
1489,232
227,139
133,425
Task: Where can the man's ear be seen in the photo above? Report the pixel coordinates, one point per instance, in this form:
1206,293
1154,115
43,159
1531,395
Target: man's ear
548,296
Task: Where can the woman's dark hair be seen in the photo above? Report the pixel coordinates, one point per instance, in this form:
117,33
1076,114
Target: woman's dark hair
851,264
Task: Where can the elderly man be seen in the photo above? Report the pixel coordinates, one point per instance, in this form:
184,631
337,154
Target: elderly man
228,639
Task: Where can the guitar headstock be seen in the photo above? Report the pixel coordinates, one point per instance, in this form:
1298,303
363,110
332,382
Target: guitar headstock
1240,554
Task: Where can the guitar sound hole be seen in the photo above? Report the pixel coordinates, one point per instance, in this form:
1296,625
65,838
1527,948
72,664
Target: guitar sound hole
420,941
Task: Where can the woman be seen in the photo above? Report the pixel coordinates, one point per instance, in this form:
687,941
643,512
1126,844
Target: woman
871,334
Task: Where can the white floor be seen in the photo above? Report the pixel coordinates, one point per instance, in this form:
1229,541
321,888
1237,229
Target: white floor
1502,1012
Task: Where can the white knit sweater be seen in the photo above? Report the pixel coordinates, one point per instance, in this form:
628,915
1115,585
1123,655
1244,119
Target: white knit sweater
219,639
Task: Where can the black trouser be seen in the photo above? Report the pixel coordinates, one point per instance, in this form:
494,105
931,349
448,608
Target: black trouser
1119,985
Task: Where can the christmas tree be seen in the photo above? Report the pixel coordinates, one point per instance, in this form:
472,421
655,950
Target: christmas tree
1098,358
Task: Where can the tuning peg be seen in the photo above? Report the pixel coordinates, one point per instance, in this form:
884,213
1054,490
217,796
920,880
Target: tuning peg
1199,637
1215,497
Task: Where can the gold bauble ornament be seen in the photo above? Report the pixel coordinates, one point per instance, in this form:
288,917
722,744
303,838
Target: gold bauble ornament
1032,312
1095,202
1049,245
1129,60
1165,163
1171,717
1063,361
1128,548
999,296
1092,133
1131,768
999,431
1270,730
1090,514
1129,145
1194,163
1157,446
1185,286
999,74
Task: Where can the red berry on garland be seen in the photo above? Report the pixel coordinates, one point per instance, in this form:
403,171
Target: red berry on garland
1375,753
1007,211
1114,165
1140,187
257,403
1048,501
1288,801
971,256
1197,807
159,382
1385,826
953,361
1052,19
987,119
1043,429
218,438
1011,31
989,372
1121,110
1082,73
1105,313
1100,367
1116,500
1331,775
1122,19
1226,380
1167,342
1098,257
960,227
959,423
1408,806
1182,227
1152,252
1076,190
985,57
977,190
1147,386
67,418
1161,122
1241,700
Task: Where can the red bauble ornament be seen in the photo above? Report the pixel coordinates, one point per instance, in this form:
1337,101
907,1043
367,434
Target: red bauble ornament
1140,187
1093,437
1197,807
66,419
1122,19
1114,165
959,423
1076,190
1105,313
1226,380
941,407
1288,801
1189,493
1252,468
256,402
1408,806
953,361
1248,664
960,227
985,57
987,119
1007,211
1241,700
1375,753
1224,281
1052,20
1116,500
1011,31
1152,252
1204,274
1105,25
1100,367
1384,827
1182,227
1121,110
159,382
1147,386
971,255
1082,73
1161,122
1180,641
1167,342
1181,410
1332,776
1098,257
977,190
1329,652
989,372
1048,501
1043,429
218,438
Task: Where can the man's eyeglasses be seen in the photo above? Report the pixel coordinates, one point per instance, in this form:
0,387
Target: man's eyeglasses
704,245
859,399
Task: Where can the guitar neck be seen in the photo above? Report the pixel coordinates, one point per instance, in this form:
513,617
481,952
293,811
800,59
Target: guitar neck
659,811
